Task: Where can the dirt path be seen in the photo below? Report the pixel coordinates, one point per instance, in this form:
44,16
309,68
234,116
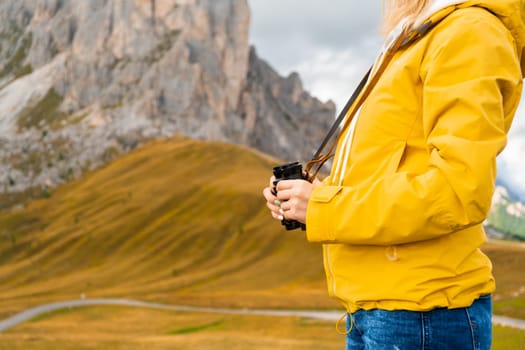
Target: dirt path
321,315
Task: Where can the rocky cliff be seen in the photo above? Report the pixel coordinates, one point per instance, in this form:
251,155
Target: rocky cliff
82,82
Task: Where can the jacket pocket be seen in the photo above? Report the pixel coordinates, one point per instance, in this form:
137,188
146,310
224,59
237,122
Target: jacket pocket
324,194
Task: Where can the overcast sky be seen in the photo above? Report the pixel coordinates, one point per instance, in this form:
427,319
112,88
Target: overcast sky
331,44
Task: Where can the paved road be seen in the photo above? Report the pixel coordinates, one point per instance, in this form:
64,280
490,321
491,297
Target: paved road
320,315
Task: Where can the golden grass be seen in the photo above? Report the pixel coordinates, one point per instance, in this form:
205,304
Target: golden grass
508,260
133,328
508,338
104,328
176,221
179,222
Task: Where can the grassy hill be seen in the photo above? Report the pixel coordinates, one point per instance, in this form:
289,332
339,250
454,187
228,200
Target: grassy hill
177,221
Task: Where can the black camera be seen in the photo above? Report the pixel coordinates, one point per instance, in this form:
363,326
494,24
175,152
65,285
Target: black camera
290,171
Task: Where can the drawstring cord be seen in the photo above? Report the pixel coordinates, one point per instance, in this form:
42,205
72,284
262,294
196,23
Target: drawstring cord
338,324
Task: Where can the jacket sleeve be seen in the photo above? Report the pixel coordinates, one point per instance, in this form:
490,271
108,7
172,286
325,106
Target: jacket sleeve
471,87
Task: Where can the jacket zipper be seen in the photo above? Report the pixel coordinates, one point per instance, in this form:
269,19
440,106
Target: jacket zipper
330,271
332,286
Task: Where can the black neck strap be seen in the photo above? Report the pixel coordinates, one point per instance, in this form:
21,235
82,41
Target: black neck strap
342,114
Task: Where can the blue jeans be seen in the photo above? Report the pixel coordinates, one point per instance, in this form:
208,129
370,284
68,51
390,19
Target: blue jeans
439,329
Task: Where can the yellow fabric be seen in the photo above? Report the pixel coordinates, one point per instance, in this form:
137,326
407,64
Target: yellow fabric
404,229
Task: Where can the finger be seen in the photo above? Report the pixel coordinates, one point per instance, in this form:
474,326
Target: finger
285,206
273,208
282,213
273,203
291,214
267,193
293,209
287,211
290,188
285,195
299,189
287,184
272,179
277,215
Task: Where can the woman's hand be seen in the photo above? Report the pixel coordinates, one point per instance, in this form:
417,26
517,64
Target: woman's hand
292,199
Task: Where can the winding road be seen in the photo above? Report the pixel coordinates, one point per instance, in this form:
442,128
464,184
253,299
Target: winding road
320,315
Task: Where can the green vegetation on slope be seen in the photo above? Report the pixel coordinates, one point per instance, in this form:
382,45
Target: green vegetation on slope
511,225
42,112
21,43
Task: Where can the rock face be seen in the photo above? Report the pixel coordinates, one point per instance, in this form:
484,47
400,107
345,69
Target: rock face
83,81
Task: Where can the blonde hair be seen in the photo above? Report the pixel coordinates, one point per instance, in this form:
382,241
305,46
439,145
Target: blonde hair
395,10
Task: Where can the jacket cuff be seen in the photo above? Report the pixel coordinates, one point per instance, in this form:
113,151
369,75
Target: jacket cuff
320,223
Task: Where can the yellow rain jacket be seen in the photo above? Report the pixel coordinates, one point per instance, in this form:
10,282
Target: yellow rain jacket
400,216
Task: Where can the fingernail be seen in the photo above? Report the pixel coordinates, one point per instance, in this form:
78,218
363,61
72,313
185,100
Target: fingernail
280,217
277,202
281,211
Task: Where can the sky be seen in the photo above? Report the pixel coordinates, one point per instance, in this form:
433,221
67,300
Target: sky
331,44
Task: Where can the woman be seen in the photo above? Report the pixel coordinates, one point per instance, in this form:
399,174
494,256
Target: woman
400,215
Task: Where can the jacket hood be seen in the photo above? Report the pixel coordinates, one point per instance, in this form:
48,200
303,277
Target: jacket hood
510,12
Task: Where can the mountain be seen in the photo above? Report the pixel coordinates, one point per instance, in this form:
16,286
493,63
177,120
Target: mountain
83,82
507,215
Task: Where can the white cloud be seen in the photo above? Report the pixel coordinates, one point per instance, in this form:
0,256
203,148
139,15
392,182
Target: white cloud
330,43
333,75
287,32
516,209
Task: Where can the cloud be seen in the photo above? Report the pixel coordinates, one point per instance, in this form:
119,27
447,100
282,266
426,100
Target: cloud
330,43
333,75
333,22
286,32
511,164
